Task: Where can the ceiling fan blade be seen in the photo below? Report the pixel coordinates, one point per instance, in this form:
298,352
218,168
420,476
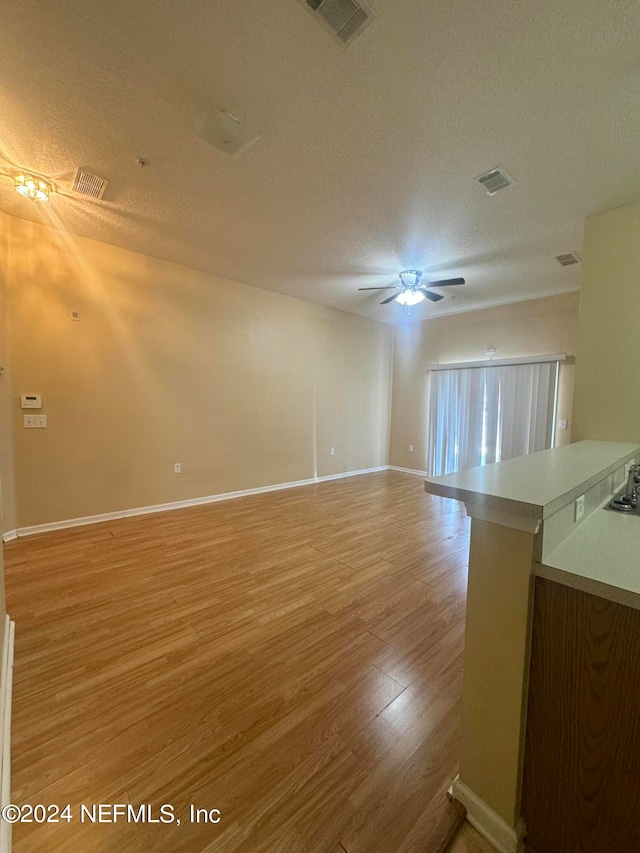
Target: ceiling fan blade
444,283
390,298
434,297
389,287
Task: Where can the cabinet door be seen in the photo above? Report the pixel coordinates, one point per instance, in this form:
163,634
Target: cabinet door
581,790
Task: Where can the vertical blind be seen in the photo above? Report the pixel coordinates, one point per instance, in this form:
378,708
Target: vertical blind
485,414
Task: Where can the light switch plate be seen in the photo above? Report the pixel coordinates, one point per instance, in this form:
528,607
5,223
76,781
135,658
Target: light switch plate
579,508
562,424
35,421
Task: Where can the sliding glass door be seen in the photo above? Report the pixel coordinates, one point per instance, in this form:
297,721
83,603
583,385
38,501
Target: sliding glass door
485,414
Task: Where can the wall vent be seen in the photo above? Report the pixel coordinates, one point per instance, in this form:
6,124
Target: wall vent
345,19
494,181
90,185
568,260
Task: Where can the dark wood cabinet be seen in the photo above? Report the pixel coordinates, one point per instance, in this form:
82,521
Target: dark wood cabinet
581,790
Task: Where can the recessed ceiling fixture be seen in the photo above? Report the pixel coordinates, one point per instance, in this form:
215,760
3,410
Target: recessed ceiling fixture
568,260
494,181
32,187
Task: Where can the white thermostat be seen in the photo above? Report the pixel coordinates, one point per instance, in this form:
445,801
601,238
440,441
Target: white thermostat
31,401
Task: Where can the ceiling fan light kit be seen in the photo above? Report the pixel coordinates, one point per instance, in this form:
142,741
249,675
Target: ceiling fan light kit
410,297
411,292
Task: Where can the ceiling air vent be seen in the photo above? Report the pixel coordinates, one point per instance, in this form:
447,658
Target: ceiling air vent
85,183
346,19
568,260
494,181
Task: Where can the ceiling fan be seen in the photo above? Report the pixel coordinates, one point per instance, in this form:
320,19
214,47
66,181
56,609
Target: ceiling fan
410,291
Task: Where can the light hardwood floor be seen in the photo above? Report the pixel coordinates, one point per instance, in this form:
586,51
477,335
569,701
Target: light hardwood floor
292,659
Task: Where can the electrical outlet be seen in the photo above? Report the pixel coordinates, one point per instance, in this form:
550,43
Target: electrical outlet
75,315
333,451
579,508
35,421
411,448
177,468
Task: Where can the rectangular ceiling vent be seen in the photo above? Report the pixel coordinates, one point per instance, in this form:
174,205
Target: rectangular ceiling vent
85,183
345,19
568,260
494,181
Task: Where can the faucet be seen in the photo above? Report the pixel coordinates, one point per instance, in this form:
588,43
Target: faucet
629,499
632,492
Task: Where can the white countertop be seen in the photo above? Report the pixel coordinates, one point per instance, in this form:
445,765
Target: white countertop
536,485
601,557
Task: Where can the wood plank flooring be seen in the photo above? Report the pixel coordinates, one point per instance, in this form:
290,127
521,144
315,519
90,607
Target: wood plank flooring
470,841
292,659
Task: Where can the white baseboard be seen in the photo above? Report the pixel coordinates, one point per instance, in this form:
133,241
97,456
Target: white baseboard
6,692
504,838
145,510
326,477
408,471
9,535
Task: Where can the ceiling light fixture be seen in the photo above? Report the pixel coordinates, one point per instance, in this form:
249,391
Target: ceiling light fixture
411,291
31,187
410,297
410,281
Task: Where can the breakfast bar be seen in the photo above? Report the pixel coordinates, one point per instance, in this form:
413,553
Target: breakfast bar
549,567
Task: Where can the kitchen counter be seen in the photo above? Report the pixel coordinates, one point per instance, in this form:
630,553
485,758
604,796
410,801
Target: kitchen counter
525,521
601,557
599,554
535,486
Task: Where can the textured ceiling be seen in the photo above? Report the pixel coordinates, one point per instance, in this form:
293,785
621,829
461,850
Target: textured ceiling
366,157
